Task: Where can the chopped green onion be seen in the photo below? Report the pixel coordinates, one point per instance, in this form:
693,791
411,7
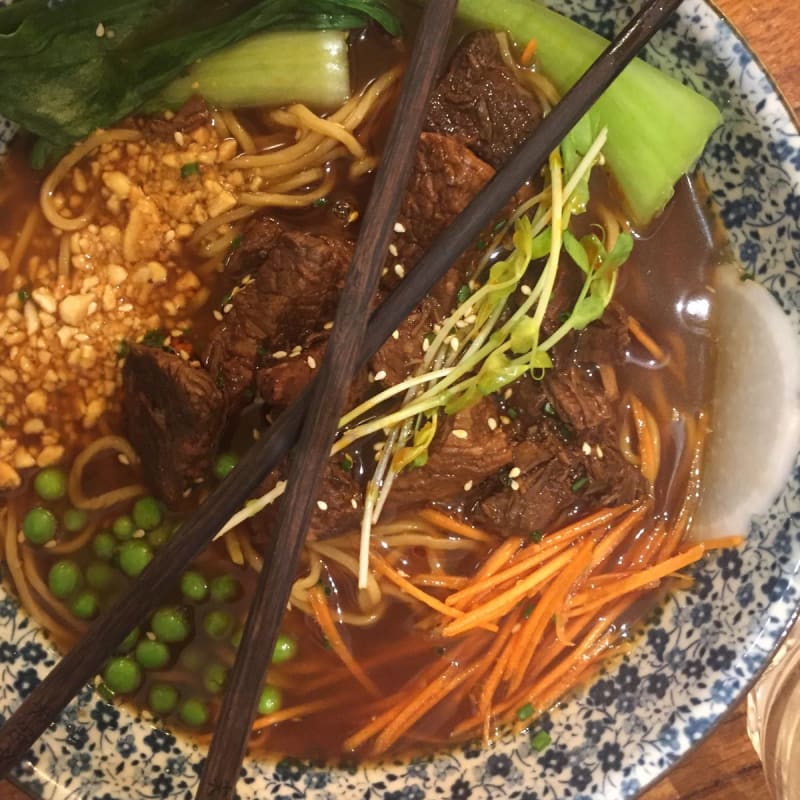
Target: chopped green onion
192,168
580,483
540,741
526,712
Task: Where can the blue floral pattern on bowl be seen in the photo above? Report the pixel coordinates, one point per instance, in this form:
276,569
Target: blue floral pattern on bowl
698,653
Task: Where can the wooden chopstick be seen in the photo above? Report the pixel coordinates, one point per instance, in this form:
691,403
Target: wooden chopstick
310,455
86,658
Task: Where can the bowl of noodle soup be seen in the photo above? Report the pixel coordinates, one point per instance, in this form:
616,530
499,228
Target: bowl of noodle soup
682,660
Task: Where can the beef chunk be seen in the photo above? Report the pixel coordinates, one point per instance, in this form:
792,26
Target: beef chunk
258,238
193,115
480,102
578,398
294,289
173,416
399,357
560,478
465,449
446,177
605,341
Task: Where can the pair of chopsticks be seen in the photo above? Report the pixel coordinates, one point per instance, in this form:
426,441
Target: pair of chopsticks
351,345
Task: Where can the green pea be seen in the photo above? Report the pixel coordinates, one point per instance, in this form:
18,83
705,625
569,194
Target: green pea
50,483
122,675
75,519
218,624
285,649
159,536
123,528
134,556
162,698
39,525
147,513
214,678
100,576
224,588
129,642
152,654
194,586
104,545
194,712
192,658
85,605
171,625
270,701
64,579
225,464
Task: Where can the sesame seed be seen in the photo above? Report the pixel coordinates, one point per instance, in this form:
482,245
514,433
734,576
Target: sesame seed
492,423
586,448
217,315
379,376
138,534
514,472
150,636
514,486
322,505
460,433
256,434
425,345
454,343
279,354
352,217
186,492
393,250
395,335
526,290
227,309
505,420
123,459
328,326
467,486
507,394
354,502
378,446
399,227
312,362
599,451
125,308
100,31
399,270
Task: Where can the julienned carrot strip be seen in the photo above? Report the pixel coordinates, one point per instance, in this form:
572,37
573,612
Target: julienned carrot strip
436,581
534,554
645,549
529,53
612,540
552,600
328,627
723,543
446,523
588,601
498,559
302,710
426,700
647,455
499,606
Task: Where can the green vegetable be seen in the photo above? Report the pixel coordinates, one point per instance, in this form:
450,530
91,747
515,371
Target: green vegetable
64,579
104,545
214,677
100,576
190,169
162,698
134,556
75,519
152,654
194,586
540,741
129,642
285,649
194,712
50,483
218,624
123,528
270,701
170,625
159,536
225,464
85,605
64,75
657,127
147,513
39,525
122,675
224,588
310,67
526,712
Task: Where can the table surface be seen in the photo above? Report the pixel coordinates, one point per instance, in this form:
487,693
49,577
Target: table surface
725,767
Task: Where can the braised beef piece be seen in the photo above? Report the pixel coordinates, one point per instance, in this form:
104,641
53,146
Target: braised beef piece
578,398
446,177
605,341
257,238
294,291
400,356
465,449
481,103
173,417
193,115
